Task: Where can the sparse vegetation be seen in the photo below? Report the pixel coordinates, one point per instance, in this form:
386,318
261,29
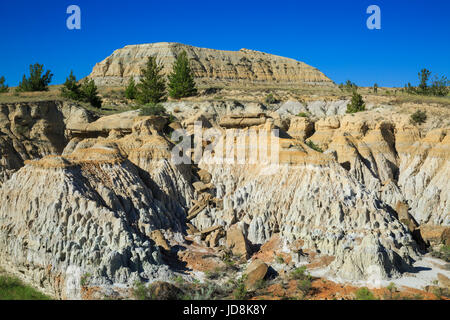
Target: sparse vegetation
303,115
152,88
85,279
3,88
300,274
418,117
270,99
304,286
443,253
364,294
314,146
181,80
240,292
152,109
37,81
12,288
142,292
439,86
349,86
391,295
279,259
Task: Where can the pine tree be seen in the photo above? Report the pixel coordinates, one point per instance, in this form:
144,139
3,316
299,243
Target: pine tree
38,80
424,75
181,80
71,88
3,88
89,93
356,104
152,88
131,90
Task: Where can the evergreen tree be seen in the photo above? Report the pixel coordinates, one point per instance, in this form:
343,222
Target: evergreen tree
3,88
131,90
38,80
152,88
71,88
356,104
89,93
181,80
424,75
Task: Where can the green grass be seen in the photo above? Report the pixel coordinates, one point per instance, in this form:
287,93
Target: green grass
12,288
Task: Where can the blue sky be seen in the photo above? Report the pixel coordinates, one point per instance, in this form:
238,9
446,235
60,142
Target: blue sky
329,35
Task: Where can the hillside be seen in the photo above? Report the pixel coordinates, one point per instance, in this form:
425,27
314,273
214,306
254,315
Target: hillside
243,68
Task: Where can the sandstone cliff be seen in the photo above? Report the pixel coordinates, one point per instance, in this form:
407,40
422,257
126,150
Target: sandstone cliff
210,67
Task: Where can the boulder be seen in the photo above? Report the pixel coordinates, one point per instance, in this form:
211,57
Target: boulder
255,272
435,235
237,242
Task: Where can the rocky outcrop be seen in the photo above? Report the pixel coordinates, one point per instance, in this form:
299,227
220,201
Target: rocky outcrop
212,67
97,210
31,130
103,198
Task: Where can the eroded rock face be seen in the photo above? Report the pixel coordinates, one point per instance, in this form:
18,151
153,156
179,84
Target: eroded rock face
209,66
80,216
107,201
93,211
31,130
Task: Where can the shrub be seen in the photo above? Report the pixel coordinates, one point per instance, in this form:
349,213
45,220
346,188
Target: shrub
356,104
152,87
131,90
85,279
279,259
304,286
439,87
418,117
350,86
152,109
391,288
3,88
313,146
71,88
142,292
89,93
364,294
240,292
300,274
270,99
38,80
181,80
303,115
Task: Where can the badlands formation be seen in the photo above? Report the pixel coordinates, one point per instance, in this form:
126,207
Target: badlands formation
210,67
100,201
